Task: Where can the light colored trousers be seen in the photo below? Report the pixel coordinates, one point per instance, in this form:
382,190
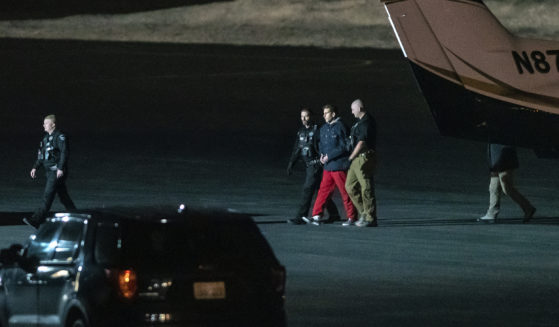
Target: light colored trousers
500,183
361,187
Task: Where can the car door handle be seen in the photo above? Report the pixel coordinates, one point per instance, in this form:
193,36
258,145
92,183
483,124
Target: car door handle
33,280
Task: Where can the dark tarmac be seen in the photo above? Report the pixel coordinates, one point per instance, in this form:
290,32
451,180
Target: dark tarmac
212,126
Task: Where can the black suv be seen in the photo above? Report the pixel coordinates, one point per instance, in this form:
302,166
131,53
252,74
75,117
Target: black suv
116,268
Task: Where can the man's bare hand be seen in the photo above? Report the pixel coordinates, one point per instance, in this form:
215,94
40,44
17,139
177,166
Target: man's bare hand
59,173
33,173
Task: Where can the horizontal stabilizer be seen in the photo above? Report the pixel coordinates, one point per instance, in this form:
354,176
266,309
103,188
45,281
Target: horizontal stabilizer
480,81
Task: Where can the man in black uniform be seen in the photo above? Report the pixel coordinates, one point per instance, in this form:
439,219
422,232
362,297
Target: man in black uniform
306,148
360,182
53,156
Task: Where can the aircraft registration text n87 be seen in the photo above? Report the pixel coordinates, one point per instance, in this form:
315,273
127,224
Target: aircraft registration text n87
536,61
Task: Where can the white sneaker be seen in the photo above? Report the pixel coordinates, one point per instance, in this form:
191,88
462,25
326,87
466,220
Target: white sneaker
318,218
486,219
349,222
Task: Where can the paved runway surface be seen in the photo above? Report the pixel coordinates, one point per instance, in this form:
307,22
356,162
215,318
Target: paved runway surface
212,126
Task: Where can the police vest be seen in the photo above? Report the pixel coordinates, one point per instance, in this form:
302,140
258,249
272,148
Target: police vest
306,143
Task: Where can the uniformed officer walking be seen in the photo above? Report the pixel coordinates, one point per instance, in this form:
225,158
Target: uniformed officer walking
360,182
306,149
53,157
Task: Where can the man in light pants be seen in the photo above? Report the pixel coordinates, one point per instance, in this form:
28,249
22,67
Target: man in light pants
502,160
360,182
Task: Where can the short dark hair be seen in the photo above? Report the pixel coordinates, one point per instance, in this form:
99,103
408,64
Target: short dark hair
51,117
307,110
331,107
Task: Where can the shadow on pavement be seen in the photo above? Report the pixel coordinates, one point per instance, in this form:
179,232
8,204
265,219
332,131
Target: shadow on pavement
533,221
15,218
30,9
442,222
12,218
269,222
445,222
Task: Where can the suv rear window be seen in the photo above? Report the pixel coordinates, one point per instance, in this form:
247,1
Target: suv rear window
146,245
44,243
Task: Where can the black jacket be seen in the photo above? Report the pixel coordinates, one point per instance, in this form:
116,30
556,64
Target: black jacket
364,130
53,151
501,157
306,145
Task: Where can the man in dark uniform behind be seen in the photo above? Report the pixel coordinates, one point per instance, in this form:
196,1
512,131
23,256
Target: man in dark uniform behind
53,156
306,148
503,160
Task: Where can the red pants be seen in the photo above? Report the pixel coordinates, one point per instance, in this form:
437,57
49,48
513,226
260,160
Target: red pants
331,180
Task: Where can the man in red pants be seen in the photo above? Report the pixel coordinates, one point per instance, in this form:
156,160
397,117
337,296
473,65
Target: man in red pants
334,157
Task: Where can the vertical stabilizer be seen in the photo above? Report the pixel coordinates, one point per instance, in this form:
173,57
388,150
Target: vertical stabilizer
439,34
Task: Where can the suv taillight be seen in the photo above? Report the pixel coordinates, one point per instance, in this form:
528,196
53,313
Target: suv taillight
278,279
127,283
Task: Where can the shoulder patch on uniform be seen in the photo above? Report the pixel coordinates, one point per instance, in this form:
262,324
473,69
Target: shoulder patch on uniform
62,137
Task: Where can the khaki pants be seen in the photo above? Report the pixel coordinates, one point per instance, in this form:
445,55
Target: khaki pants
500,183
361,187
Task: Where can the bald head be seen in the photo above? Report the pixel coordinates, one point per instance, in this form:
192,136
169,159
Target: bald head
357,109
357,103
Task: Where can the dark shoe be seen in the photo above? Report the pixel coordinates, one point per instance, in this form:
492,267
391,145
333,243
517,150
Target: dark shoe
349,222
365,223
486,219
31,222
528,215
306,219
296,221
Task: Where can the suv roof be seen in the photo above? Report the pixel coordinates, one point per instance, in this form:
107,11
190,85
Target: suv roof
202,234
153,214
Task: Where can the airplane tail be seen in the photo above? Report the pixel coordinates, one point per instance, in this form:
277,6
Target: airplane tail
440,34
472,70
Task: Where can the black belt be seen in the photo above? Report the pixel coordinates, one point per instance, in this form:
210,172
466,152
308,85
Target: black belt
366,153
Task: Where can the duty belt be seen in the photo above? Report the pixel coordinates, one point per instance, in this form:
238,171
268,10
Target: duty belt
366,153
313,162
52,168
